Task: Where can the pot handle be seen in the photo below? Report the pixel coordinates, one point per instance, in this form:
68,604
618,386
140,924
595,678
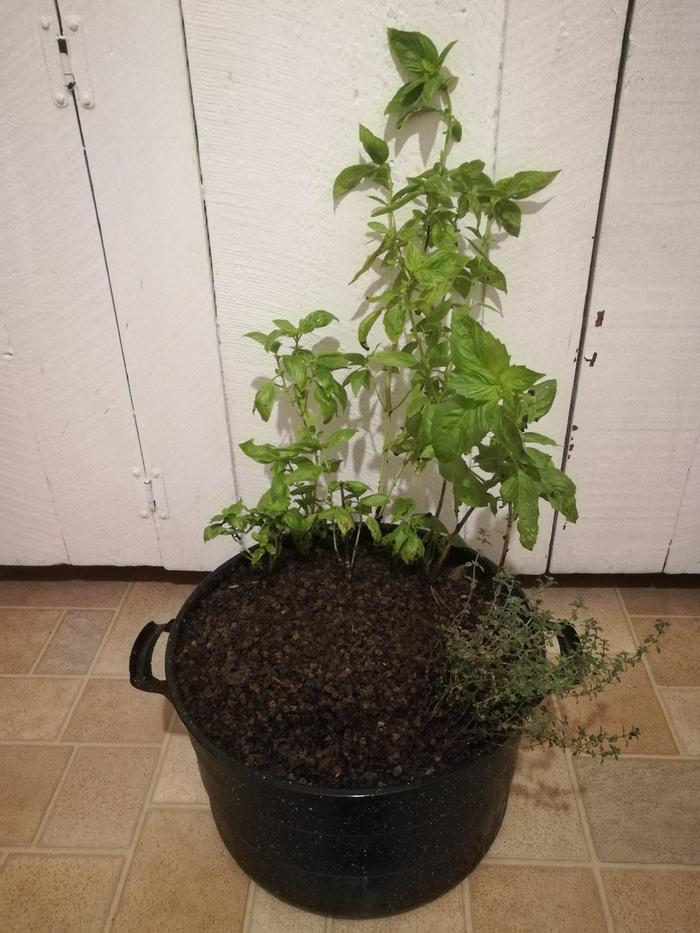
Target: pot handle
140,673
569,642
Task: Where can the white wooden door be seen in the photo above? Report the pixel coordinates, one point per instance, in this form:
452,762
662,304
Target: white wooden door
69,436
634,453
109,350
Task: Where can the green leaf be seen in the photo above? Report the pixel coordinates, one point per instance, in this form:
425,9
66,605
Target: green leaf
459,425
414,259
472,347
265,399
476,384
456,130
519,378
441,268
376,500
521,491
371,259
261,453
373,526
406,97
556,487
539,399
354,487
525,184
508,215
469,489
332,360
382,175
366,325
269,341
350,178
445,52
401,507
412,548
376,148
395,358
287,328
295,368
359,379
340,437
304,473
213,531
315,320
533,438
394,321
415,52
326,405
483,270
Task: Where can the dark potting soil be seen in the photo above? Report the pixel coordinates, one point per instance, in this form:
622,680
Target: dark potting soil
317,678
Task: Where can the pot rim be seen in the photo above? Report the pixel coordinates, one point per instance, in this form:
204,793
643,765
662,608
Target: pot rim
313,790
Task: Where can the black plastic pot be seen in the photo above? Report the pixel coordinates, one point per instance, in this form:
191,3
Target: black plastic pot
343,853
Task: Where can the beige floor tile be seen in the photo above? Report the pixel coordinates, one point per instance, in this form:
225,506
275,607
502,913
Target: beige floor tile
632,702
114,711
23,633
601,603
534,899
100,801
146,601
96,594
678,662
28,777
33,708
75,642
270,914
650,601
182,871
446,914
179,780
683,705
654,900
542,819
57,893
642,810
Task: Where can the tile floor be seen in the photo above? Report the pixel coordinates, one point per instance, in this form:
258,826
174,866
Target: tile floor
104,824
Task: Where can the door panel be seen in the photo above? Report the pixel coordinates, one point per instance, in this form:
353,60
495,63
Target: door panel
58,316
143,158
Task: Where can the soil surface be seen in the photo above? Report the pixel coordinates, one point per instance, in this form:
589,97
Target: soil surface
316,678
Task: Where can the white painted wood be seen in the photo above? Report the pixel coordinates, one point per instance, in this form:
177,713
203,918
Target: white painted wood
30,529
279,90
141,145
638,406
59,321
559,73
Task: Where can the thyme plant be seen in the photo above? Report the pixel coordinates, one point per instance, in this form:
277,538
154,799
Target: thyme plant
452,399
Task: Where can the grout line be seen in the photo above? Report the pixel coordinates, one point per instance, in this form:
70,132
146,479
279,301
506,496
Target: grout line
657,615
679,757
647,667
593,856
50,638
52,802
65,850
61,676
65,608
103,641
249,906
178,805
467,906
65,744
138,828
328,925
570,863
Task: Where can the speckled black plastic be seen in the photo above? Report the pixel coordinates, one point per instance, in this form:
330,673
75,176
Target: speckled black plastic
343,853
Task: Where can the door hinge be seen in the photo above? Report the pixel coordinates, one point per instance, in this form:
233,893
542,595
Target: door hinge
150,493
65,57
